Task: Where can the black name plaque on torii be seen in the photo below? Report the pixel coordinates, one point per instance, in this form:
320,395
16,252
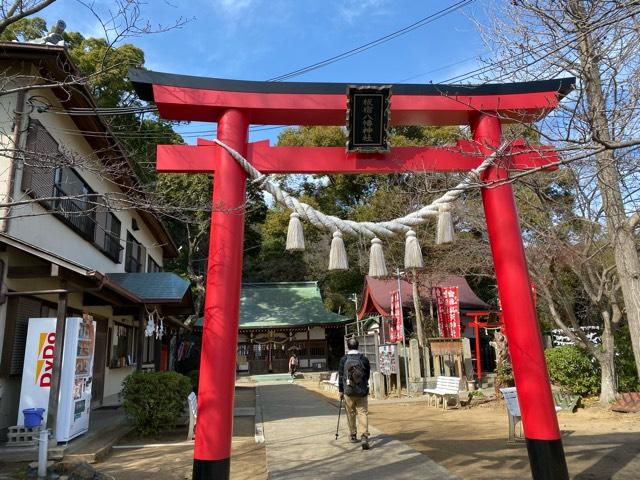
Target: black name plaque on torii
368,118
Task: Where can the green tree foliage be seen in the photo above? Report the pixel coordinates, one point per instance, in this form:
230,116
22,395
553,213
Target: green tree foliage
360,198
23,30
155,400
572,370
625,364
184,201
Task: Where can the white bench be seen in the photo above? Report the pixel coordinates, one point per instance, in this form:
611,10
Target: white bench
192,400
510,395
446,387
332,383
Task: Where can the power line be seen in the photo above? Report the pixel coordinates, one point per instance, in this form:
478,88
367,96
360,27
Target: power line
374,43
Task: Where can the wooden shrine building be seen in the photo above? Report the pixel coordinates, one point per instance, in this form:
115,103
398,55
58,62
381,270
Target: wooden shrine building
278,318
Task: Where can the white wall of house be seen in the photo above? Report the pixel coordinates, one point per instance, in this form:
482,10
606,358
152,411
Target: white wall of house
34,225
8,105
37,227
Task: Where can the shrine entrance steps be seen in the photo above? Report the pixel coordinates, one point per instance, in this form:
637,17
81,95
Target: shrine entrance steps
299,432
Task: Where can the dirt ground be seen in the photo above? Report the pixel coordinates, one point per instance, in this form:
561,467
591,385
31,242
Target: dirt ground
174,460
599,444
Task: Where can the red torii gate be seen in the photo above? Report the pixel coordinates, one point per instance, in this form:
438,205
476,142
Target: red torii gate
237,104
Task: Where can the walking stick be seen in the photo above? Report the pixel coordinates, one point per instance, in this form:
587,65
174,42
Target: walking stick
339,410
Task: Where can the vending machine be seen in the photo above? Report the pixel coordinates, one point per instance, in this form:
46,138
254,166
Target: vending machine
74,403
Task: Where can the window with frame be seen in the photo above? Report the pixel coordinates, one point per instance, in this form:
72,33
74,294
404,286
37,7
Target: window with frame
63,191
135,255
75,202
108,231
121,346
152,265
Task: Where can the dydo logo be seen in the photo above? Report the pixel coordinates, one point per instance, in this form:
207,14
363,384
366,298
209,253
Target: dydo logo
44,363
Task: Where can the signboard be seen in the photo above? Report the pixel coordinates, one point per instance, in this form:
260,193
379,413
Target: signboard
76,375
397,323
448,311
38,365
368,118
387,359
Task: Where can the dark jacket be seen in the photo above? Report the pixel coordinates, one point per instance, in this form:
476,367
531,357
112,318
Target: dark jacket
367,371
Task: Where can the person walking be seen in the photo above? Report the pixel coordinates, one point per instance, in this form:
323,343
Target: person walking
353,385
293,366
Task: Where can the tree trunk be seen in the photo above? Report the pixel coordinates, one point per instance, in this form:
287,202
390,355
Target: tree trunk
503,361
621,236
628,268
607,376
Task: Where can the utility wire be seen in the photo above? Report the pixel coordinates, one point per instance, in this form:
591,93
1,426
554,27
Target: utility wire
374,43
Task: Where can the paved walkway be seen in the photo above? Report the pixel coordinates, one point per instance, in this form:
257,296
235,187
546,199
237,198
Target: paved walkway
299,431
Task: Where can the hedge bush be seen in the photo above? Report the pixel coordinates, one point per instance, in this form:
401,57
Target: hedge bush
504,375
571,369
155,400
625,363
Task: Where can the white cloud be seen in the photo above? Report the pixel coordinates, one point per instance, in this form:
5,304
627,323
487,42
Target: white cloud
352,9
234,8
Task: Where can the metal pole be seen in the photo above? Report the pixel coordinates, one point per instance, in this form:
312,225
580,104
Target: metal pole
42,452
354,298
478,359
404,346
539,420
222,306
54,391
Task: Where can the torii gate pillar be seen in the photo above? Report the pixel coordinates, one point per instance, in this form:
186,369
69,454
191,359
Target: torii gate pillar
214,428
537,406
235,104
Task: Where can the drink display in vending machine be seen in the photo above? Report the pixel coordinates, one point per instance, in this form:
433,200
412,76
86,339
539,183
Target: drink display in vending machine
74,404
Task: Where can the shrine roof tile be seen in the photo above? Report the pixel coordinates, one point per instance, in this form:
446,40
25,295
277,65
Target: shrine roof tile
286,304
156,287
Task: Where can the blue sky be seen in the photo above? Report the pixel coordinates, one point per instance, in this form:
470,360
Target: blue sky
261,39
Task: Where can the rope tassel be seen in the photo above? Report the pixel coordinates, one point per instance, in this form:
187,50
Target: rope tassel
377,267
295,234
338,254
412,251
445,232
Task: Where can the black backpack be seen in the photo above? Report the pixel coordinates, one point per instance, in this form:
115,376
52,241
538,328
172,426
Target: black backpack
355,382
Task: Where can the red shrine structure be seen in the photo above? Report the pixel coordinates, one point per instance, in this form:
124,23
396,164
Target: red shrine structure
235,105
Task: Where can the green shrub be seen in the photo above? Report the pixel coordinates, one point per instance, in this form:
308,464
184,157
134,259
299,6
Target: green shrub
572,370
625,363
504,375
155,400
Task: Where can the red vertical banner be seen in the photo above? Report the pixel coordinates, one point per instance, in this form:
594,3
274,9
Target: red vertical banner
397,323
448,311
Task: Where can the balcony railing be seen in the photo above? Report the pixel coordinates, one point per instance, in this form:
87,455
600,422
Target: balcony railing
78,213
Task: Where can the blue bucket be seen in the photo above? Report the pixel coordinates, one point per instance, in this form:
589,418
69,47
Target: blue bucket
33,417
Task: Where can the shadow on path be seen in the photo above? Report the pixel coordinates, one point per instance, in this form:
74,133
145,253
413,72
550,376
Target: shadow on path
299,429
